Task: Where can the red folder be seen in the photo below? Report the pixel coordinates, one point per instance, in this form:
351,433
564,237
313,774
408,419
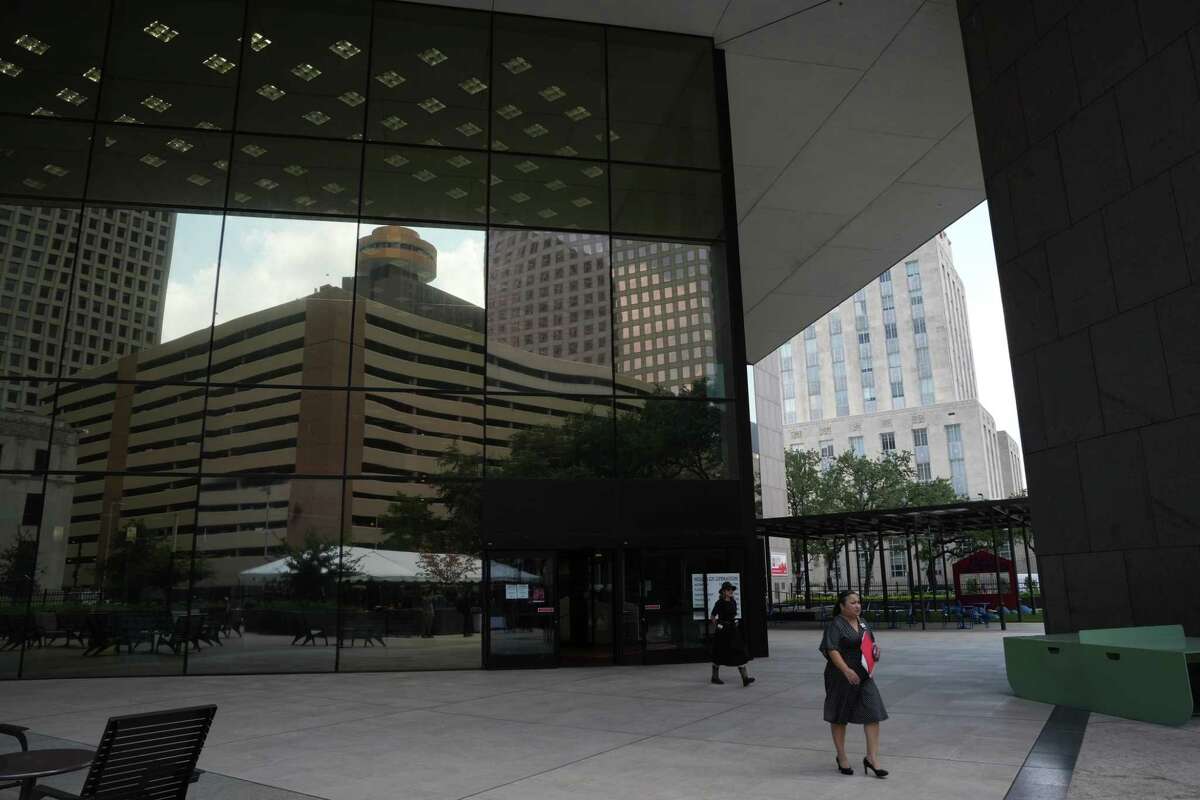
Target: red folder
868,652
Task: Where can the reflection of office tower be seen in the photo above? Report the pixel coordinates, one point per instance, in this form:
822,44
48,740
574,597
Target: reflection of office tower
114,309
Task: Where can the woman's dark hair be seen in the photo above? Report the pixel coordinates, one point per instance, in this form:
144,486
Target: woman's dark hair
841,599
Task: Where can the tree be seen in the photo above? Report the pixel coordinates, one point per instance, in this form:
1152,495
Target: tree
18,564
447,568
314,569
149,561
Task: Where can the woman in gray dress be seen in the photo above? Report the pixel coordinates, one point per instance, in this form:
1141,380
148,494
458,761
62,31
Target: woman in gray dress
850,692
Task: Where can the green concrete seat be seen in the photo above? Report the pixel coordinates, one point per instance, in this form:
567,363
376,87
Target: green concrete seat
1143,673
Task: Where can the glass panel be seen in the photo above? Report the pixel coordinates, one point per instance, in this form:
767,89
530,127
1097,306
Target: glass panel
295,176
173,65
305,68
271,562
51,64
521,608
124,578
272,326
134,164
429,76
421,436
48,158
133,427
667,202
549,191
37,255
585,607
663,98
425,184
664,437
417,587
264,430
419,315
672,329
549,87
549,437
548,320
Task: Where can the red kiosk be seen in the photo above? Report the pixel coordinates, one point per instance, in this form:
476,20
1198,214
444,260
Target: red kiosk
975,580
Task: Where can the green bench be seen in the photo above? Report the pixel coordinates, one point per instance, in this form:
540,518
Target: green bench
1149,673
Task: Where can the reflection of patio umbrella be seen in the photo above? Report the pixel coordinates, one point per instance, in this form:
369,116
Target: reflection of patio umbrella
379,565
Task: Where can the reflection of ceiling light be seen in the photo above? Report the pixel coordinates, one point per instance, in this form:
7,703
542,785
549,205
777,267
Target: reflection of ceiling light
495,180
396,160
547,213
161,31
204,125
612,136
34,184
199,180
499,145
55,170
355,137
526,166
456,193
509,111
93,74
459,161
179,144
241,197
156,103
271,91
303,200
566,150
432,56
592,171
258,42
295,169
390,79
536,130
352,99
266,183
345,49
305,72
72,97
472,86
32,44
42,111
253,150
555,185
519,197
424,176
469,129
10,69
581,202
393,123
221,164
552,93
317,118
577,114
219,64
334,188
517,65
128,119
432,105
109,141
152,160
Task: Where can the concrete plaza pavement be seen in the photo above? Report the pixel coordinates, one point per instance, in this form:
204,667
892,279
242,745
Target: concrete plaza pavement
649,732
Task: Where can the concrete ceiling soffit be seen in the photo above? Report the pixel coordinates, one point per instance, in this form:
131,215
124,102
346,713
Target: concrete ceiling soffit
775,242
904,217
773,322
953,162
699,17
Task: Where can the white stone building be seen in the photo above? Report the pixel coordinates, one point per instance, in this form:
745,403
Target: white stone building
1012,473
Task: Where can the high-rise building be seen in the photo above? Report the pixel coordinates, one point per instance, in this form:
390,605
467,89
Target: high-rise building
117,306
1012,473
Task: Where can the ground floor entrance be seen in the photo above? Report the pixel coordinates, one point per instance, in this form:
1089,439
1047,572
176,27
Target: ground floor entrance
596,606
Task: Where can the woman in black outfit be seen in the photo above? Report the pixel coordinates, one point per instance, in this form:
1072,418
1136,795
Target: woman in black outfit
850,693
729,649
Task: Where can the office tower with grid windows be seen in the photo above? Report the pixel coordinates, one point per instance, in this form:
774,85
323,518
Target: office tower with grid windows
891,370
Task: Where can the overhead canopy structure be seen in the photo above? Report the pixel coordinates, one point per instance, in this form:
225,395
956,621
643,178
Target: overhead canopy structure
980,515
379,565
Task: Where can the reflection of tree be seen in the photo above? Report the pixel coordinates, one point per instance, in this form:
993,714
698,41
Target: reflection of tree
149,561
314,568
17,564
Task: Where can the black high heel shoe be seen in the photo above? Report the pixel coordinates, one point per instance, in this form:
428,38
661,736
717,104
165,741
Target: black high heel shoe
868,768
845,770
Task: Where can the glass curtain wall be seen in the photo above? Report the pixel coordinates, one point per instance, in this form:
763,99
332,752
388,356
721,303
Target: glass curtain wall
282,283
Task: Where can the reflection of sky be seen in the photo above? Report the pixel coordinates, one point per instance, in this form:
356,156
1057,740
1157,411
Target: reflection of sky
267,262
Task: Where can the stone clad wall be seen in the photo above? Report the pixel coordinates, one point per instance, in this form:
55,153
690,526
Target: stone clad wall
1088,115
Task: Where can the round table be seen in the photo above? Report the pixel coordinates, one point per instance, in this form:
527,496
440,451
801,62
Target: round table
28,766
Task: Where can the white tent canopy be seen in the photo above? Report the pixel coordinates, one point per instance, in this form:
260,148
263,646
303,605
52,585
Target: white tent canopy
379,565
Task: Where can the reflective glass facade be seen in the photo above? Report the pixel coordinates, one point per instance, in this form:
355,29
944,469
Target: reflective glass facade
319,321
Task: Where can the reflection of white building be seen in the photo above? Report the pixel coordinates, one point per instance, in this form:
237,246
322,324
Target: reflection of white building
26,499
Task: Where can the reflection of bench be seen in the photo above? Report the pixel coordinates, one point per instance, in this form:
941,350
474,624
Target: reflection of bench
368,627
1147,673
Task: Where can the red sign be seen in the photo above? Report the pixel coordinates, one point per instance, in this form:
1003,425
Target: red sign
653,606
779,566
546,610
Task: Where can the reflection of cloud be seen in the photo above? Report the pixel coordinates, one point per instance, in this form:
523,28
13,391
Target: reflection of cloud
460,270
189,301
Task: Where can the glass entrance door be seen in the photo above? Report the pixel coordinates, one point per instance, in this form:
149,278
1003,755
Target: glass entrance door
585,607
522,610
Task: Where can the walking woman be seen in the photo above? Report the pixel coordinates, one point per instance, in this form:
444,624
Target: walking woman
729,648
850,692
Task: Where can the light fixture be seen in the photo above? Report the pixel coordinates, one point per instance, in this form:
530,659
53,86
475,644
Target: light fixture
221,164
555,185
424,176
253,150
581,202
156,103
42,111
71,96
472,86
566,150
55,170
219,64
592,172
128,120
495,180
10,69
266,183
393,123
109,141
258,42
517,65
577,114
304,200
32,44
432,56
152,160
317,118
161,31
395,160
204,125
552,93
93,74
536,130
241,197
432,105
34,184
509,111
456,193
458,161
305,71
199,180
469,129
499,145
547,213
352,99
270,91
345,49
295,170
179,144
526,166
390,79
334,188
612,136
519,197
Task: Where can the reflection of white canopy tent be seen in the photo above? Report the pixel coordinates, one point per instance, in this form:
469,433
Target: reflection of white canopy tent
379,565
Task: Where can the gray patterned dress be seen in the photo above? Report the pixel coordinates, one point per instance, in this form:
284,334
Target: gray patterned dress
845,702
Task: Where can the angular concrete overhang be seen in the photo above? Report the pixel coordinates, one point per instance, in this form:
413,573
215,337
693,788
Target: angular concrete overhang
853,138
